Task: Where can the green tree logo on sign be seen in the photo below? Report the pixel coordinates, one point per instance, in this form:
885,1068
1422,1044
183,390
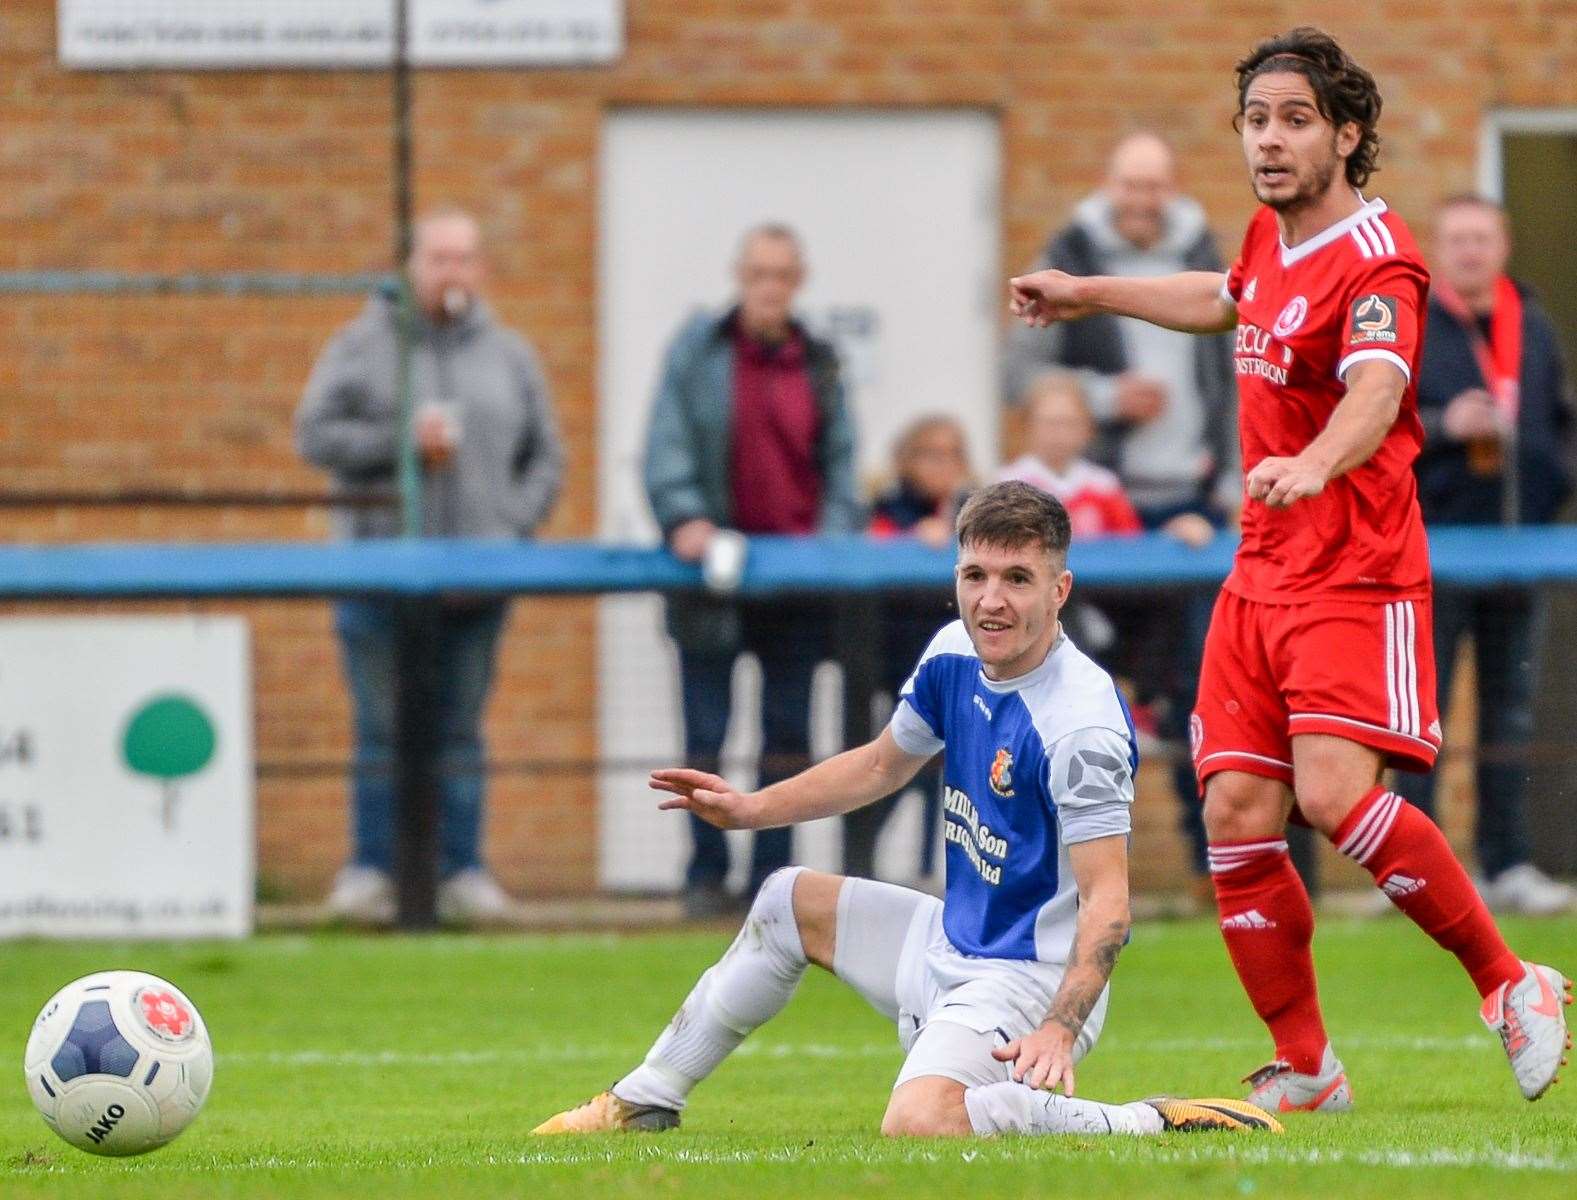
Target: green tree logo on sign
169,738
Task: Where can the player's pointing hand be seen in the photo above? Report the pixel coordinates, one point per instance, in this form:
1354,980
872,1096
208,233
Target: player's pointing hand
710,797
1281,482
1045,297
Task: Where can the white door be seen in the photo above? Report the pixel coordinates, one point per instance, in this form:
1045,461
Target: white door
898,212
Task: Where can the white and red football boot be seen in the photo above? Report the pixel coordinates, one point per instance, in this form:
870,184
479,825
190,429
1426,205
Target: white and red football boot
1277,1088
1530,1017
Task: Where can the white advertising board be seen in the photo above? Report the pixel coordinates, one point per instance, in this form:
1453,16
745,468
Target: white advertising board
243,34
126,777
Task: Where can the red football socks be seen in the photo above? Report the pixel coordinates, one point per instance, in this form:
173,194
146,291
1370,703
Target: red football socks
1412,863
1268,925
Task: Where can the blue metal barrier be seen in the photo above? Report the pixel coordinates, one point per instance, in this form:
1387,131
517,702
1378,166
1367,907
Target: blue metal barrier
1478,558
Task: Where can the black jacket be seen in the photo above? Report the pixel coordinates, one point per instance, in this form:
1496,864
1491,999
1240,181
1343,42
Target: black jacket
1448,491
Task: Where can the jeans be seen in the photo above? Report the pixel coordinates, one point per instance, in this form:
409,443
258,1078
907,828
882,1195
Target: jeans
467,640
1505,627
789,639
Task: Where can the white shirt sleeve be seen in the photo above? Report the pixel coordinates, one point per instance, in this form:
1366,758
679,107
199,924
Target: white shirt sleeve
1090,776
911,732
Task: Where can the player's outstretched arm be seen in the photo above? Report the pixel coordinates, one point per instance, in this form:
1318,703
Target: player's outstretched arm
840,784
1192,301
1352,435
1045,1057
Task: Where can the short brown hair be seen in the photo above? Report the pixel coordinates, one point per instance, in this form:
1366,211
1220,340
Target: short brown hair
1013,514
1343,91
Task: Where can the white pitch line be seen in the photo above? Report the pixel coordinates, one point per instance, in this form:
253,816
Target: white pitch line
792,1050
1027,1150
1021,1150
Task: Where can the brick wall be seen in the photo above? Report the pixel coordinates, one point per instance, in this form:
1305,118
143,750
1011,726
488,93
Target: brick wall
288,171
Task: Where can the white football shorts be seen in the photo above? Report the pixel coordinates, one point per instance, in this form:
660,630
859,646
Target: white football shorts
951,1010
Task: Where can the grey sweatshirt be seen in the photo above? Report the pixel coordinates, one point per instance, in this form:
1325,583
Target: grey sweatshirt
1162,461
1163,458
506,471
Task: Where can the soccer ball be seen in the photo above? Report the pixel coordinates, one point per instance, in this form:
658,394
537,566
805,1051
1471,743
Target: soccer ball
119,1062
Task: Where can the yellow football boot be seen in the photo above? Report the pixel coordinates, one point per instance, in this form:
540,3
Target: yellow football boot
1201,1116
606,1113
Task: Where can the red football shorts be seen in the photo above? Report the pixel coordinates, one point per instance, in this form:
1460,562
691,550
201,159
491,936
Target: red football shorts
1359,670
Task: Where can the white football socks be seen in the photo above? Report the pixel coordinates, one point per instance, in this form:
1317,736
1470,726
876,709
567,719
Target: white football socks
748,986
1010,1107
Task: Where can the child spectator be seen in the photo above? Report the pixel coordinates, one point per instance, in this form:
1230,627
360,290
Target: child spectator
931,463
1059,431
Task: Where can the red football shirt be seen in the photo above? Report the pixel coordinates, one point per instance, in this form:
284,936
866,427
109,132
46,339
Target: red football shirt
1353,292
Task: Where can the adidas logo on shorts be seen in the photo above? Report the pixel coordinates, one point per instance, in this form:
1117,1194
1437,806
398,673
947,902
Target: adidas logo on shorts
1397,886
1252,919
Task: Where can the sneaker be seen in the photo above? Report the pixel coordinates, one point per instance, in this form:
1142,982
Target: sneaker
1530,1018
606,1113
473,897
362,896
1526,889
1276,1087
1202,1116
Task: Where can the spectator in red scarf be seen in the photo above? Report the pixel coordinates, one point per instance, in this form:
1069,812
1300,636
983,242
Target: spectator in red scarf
1492,394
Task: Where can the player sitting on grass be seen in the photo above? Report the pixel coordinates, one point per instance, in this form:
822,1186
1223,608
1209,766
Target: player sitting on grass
1000,989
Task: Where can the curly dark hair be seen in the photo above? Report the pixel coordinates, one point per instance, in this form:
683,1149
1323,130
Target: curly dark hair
1343,91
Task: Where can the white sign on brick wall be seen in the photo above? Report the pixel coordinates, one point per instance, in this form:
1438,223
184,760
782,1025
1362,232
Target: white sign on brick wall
242,34
126,777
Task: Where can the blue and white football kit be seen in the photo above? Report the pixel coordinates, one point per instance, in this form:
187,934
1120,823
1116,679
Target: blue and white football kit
1033,765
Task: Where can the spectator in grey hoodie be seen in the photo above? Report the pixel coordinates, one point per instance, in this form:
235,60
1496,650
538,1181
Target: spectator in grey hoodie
1165,404
1165,401
491,464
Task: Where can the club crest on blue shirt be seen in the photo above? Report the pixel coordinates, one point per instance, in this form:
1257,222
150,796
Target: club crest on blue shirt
1002,773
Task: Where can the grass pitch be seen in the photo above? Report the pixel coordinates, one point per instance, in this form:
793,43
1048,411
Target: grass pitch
394,1067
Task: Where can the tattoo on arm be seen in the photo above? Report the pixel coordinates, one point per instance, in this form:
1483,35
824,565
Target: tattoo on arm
1086,976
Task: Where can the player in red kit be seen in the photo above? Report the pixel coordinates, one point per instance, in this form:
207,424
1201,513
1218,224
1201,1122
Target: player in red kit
1318,670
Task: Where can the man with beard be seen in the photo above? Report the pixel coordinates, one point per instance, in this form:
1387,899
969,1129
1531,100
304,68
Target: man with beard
1318,670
